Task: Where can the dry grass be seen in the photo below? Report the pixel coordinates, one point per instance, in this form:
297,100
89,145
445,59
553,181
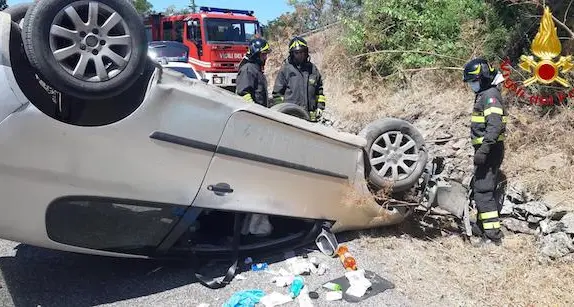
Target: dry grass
449,272
532,139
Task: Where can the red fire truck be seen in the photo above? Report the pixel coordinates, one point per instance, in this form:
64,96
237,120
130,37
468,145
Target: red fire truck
217,39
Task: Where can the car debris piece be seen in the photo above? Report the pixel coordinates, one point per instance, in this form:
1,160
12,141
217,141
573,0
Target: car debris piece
275,299
322,269
378,285
359,284
327,242
259,266
334,295
304,299
283,281
332,286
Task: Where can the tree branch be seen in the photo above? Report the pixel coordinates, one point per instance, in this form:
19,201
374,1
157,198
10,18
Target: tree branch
564,26
420,69
567,9
560,23
407,51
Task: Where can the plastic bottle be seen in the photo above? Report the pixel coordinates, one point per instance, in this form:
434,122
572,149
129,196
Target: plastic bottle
296,286
348,261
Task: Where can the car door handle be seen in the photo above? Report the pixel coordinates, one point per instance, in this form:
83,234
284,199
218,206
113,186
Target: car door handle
220,189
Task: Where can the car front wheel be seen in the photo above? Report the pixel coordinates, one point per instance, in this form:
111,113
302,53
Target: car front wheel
90,49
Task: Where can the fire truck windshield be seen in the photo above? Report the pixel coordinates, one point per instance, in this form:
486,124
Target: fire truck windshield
229,30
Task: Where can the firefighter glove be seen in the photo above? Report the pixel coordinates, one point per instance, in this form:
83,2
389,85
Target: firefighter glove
247,97
278,100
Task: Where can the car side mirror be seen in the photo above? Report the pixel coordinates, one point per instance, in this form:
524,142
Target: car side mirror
205,80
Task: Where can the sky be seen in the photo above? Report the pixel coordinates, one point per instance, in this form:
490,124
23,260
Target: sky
265,10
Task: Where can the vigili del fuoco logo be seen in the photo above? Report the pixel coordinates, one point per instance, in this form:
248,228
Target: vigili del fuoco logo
544,67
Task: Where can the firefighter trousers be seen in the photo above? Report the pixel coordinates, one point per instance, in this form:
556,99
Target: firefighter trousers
485,182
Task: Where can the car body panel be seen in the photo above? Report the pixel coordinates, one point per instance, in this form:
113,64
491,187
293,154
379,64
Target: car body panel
278,169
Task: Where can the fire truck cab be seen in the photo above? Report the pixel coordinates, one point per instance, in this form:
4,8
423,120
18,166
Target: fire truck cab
217,39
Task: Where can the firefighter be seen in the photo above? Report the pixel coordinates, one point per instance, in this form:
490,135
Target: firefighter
251,81
488,127
299,81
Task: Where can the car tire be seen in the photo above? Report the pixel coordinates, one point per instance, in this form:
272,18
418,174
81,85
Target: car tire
18,11
292,109
81,57
395,154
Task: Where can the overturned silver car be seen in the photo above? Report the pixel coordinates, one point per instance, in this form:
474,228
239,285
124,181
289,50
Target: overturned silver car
103,152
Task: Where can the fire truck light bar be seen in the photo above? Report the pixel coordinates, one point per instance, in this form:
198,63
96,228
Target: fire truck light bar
220,10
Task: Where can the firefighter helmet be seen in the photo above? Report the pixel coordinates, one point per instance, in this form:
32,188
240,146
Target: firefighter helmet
478,69
298,44
257,46
479,74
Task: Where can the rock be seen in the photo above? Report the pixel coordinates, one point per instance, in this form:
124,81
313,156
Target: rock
556,245
568,222
557,213
519,226
536,208
548,227
548,162
517,193
507,207
534,219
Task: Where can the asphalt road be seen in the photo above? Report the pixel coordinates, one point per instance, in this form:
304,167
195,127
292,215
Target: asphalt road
33,276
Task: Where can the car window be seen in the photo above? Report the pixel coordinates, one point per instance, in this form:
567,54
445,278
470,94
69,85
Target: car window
169,51
186,71
110,224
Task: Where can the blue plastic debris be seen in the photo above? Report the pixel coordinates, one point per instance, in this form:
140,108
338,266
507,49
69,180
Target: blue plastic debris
246,298
259,266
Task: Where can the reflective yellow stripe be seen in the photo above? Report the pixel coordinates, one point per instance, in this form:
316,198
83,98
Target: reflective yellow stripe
493,110
476,71
265,48
296,43
491,225
321,98
482,119
247,97
480,139
488,215
478,119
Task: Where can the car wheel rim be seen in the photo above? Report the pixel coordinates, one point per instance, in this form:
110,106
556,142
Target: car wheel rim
91,41
394,155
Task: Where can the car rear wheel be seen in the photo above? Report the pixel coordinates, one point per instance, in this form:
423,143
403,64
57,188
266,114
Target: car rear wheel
396,154
292,109
91,49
